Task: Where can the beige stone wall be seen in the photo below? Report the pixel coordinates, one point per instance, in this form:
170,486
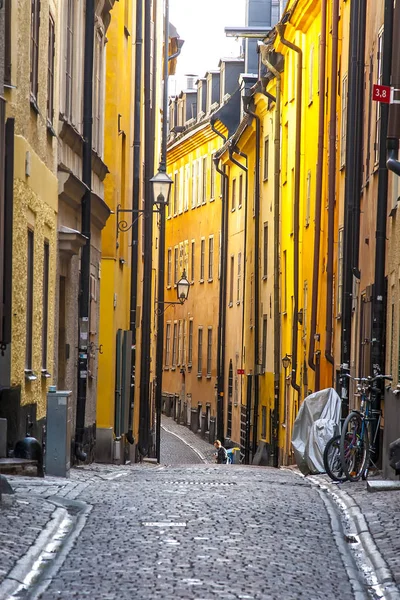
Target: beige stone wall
35,206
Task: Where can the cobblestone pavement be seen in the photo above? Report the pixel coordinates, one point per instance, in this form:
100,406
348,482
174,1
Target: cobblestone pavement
203,532
204,448
196,531
382,513
175,452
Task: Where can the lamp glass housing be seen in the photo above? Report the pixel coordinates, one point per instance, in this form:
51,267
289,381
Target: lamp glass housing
182,288
161,186
286,361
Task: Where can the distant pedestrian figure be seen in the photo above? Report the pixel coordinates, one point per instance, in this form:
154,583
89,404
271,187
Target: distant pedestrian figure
222,455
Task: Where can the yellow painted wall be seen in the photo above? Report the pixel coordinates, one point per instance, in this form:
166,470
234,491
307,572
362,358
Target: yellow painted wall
193,224
115,263
35,207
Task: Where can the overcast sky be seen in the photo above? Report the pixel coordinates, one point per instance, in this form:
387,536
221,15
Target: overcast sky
201,25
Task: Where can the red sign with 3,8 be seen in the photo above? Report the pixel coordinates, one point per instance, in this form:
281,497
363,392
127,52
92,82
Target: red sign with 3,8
381,93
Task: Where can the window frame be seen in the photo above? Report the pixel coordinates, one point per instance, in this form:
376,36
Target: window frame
266,157
209,352
29,300
45,305
202,259
34,51
210,258
199,351
190,343
50,70
167,344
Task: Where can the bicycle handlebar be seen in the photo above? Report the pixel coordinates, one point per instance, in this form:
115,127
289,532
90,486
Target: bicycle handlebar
369,379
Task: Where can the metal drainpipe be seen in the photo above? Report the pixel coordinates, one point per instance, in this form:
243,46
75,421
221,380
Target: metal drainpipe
393,163
379,304
144,408
222,301
318,190
135,204
277,322
351,191
299,91
331,185
86,231
256,270
245,169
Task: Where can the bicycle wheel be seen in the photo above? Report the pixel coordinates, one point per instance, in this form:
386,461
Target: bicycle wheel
332,463
354,447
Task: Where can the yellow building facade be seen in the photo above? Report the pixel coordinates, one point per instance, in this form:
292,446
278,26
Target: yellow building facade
118,400
193,245
27,361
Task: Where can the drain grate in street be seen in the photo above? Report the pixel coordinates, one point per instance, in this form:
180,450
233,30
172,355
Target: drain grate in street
206,483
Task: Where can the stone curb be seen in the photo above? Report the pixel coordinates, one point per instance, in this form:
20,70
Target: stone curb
199,454
377,563
19,572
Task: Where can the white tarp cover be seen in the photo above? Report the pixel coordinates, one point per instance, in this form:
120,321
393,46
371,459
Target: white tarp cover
316,423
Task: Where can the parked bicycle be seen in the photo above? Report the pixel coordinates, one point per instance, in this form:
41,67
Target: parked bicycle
355,447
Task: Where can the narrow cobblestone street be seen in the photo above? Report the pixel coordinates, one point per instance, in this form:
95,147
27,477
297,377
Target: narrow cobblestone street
183,529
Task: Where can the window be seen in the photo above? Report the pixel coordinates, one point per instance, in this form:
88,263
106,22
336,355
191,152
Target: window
210,258
266,158
212,179
200,351
202,258
181,190
284,283
231,281
264,344
35,24
176,264
378,104
239,277
169,208
186,188
7,42
265,249
194,184
343,125
29,300
180,339
204,180
175,345
286,158
45,322
169,267
308,198
168,344
240,191
50,71
311,75
69,59
176,194
183,361
190,348
233,205
209,351
199,189
340,272
192,263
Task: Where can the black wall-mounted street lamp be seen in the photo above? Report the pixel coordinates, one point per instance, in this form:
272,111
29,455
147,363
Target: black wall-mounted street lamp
286,360
182,291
